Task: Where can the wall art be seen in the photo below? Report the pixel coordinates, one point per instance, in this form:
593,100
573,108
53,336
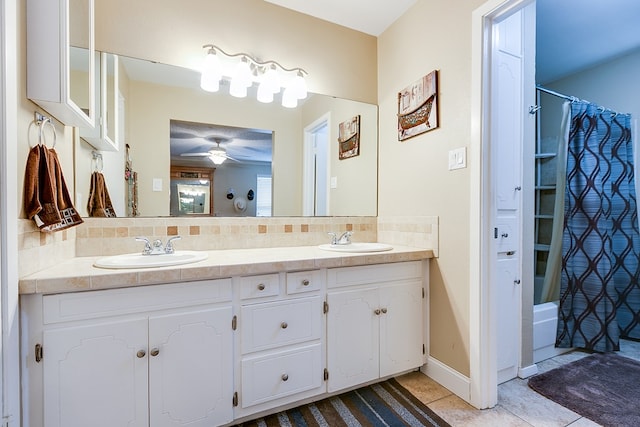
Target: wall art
349,138
418,107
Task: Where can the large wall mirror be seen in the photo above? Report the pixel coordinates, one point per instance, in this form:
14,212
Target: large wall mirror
167,122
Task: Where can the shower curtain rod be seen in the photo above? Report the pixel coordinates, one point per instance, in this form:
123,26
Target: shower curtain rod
554,93
571,98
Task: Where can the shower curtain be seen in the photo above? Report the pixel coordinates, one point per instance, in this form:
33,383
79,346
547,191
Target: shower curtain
600,268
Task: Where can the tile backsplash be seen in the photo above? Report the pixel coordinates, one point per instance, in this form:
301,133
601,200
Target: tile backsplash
100,236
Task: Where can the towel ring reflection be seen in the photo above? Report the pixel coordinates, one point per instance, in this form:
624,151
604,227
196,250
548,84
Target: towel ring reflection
41,121
99,163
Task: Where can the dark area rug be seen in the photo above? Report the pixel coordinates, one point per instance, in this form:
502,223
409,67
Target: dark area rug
602,387
383,404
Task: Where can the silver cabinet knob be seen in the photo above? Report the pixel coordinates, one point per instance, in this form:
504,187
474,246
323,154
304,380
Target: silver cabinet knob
305,282
261,287
141,354
284,325
384,311
154,352
377,311
285,377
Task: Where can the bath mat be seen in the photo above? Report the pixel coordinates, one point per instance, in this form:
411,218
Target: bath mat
602,387
383,404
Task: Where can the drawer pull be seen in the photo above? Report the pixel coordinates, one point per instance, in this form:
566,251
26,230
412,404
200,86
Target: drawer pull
141,354
305,282
377,311
154,352
284,325
384,311
285,377
261,287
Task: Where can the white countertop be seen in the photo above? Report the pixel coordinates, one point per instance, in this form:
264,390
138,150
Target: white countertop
79,274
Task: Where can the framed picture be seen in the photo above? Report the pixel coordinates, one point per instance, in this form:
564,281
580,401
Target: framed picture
418,107
349,138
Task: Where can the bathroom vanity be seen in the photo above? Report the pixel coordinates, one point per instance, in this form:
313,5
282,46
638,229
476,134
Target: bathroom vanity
242,334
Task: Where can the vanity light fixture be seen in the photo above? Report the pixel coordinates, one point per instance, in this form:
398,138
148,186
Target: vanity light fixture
243,71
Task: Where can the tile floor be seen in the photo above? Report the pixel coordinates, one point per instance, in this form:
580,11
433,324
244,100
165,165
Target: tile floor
518,405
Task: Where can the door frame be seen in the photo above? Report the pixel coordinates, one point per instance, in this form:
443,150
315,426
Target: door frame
482,318
9,353
308,167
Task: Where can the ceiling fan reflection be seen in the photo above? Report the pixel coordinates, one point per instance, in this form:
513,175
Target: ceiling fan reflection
216,154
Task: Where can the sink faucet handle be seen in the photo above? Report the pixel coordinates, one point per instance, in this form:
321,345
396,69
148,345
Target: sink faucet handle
334,238
147,244
345,239
168,248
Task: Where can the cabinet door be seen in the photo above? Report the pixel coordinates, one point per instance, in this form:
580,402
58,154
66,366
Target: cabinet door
191,368
96,375
401,328
352,337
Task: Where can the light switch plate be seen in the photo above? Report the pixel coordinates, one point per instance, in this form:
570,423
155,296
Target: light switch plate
458,158
334,182
157,184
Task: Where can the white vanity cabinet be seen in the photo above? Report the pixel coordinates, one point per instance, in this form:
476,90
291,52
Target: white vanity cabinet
375,322
281,343
158,355
60,59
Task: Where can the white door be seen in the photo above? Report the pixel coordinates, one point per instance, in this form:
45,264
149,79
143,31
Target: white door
401,330
352,337
191,368
506,179
96,375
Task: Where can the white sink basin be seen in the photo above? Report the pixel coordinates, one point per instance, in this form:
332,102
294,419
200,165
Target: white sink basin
357,247
138,260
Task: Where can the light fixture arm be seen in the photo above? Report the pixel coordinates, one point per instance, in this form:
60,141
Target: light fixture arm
253,60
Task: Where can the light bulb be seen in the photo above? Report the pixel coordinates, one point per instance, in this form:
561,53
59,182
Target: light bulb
264,93
271,80
211,72
289,99
300,86
237,88
242,73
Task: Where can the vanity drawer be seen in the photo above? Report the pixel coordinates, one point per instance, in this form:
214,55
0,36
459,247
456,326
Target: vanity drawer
304,281
266,285
365,275
281,374
114,302
275,324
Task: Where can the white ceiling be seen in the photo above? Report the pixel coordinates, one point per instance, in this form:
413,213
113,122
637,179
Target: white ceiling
572,35
368,16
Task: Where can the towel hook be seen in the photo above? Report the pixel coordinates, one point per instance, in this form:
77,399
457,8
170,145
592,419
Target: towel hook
97,157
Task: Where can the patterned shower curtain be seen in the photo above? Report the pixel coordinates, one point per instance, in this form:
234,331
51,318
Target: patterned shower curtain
600,280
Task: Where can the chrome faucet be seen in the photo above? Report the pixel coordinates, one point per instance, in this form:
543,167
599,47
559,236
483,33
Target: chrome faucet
168,248
156,247
344,239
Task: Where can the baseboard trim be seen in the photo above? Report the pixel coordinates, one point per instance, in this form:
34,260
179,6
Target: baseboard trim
527,371
449,378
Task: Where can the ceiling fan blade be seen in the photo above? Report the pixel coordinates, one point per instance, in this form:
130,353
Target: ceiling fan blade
207,154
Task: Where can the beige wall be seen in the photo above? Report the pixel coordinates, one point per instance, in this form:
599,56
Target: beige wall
174,33
414,175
